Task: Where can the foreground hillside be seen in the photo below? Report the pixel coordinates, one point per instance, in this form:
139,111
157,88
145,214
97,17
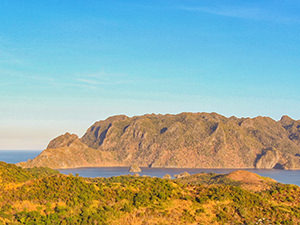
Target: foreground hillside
188,140
41,196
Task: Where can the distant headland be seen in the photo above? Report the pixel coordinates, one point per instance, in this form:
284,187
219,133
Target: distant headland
185,140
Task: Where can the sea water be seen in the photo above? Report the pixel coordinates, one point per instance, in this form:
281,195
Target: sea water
283,176
14,156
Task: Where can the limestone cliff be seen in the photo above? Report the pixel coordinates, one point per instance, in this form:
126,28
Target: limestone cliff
195,140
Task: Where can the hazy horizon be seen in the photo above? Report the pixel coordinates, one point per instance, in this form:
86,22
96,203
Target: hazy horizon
65,64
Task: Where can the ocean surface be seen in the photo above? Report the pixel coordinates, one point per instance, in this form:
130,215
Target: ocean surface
14,156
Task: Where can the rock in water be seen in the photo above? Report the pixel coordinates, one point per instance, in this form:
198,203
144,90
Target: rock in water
135,169
167,176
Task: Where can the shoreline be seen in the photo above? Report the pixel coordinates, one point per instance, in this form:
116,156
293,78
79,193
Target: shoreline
191,168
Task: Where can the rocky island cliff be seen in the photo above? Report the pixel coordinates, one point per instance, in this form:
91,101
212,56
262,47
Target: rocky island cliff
186,140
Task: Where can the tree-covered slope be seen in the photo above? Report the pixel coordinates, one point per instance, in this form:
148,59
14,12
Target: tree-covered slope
214,199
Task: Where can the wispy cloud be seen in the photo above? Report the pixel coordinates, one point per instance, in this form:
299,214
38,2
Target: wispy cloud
102,79
244,13
86,81
247,13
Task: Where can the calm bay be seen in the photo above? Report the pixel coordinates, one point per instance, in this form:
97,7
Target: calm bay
14,156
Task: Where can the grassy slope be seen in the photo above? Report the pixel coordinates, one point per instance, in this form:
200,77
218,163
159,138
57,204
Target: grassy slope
45,197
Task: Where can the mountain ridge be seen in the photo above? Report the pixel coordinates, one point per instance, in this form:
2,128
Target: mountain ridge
185,140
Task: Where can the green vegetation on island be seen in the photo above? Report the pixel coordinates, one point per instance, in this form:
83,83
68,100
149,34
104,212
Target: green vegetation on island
185,140
43,196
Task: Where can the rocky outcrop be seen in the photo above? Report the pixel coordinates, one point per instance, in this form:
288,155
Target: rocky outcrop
186,140
135,169
292,127
68,151
62,141
268,159
182,175
167,176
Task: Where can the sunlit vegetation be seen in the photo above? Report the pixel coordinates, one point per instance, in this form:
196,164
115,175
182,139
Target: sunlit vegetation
42,196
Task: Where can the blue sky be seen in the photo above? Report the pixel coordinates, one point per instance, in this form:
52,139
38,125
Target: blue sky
66,64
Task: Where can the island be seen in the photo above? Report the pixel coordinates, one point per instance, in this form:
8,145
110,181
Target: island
185,140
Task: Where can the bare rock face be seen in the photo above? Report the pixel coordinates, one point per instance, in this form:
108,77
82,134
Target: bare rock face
182,175
268,159
167,176
185,140
67,151
62,141
135,169
292,127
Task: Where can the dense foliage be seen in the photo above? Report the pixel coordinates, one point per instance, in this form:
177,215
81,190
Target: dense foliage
42,196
